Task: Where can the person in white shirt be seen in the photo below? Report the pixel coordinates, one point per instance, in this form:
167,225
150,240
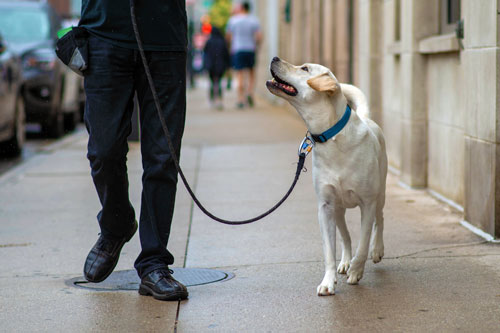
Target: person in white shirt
244,35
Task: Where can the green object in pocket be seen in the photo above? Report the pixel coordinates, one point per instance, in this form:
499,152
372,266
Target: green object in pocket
71,48
63,32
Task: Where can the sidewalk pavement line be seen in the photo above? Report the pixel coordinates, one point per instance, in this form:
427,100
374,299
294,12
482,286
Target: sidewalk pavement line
450,246
447,201
17,171
479,232
191,209
393,170
409,187
177,315
453,204
65,141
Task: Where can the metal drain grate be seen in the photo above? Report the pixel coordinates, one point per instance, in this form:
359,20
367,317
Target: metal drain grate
128,280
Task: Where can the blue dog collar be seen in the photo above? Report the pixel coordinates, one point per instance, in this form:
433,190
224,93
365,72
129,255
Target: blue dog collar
335,129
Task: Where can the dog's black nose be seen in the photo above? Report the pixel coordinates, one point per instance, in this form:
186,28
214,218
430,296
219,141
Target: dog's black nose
276,59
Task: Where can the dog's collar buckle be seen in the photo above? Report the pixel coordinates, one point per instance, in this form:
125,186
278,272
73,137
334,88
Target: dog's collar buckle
306,145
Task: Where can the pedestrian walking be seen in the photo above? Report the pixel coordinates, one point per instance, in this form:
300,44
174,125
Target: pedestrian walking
229,72
189,66
115,73
216,61
244,35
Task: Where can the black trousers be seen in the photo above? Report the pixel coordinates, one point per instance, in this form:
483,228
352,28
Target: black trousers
114,75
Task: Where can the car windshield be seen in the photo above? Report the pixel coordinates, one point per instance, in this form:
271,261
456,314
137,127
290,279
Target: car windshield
23,25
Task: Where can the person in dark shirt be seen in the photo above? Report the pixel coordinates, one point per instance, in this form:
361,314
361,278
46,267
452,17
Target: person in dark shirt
114,75
216,61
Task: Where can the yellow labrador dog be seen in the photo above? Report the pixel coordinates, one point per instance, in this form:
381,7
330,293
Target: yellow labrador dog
349,162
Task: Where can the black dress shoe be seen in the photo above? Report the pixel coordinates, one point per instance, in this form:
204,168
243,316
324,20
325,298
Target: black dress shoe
161,285
103,257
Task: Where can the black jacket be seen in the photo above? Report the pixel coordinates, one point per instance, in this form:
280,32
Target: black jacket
216,54
162,24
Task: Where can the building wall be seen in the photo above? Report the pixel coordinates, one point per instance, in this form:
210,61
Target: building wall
392,81
446,147
482,113
436,97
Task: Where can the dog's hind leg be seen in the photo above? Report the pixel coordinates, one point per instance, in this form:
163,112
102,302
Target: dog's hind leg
328,233
355,272
339,216
378,229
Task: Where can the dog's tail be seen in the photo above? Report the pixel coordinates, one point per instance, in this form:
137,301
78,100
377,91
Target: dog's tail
356,99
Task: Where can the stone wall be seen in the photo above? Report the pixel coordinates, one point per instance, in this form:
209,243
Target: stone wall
482,113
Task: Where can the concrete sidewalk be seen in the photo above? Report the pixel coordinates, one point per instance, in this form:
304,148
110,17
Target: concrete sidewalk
436,275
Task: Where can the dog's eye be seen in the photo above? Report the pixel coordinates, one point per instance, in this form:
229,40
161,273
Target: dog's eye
304,68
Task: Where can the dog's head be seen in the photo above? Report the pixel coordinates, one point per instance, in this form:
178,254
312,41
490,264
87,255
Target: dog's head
306,86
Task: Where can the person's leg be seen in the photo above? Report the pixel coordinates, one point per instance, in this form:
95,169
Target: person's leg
108,109
251,86
241,87
212,88
219,86
217,90
229,78
160,176
251,78
237,62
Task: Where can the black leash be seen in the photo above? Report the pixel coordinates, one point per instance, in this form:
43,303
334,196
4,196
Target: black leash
300,164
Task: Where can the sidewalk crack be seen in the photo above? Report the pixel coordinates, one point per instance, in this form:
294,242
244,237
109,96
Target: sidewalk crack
439,248
191,209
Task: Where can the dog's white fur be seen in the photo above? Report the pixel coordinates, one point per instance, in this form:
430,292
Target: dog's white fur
349,170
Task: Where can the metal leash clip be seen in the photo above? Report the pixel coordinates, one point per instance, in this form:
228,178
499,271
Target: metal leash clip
306,145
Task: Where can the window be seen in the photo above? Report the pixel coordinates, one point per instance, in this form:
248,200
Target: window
449,16
397,20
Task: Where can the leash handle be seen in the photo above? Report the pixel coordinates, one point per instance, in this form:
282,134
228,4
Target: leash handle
300,164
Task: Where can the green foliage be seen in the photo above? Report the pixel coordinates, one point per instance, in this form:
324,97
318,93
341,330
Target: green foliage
220,13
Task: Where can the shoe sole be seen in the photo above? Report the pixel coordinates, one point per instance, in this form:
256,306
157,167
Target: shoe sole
118,258
174,296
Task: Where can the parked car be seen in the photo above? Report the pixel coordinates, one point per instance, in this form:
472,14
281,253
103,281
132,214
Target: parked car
50,90
12,117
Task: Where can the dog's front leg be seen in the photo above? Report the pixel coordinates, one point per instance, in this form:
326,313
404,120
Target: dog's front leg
345,262
355,272
328,233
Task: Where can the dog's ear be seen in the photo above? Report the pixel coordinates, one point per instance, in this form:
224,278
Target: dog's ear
324,82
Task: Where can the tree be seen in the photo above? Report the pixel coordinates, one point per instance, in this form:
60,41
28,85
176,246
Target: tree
220,12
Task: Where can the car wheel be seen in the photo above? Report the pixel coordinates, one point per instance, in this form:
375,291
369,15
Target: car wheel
14,146
54,128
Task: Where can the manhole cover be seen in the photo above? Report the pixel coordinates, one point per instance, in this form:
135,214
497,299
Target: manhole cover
128,280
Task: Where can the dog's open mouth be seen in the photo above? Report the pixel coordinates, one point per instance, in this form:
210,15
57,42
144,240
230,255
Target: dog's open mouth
282,85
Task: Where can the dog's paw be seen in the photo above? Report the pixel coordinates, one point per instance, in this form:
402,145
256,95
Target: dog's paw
326,290
327,286
354,274
343,267
377,254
